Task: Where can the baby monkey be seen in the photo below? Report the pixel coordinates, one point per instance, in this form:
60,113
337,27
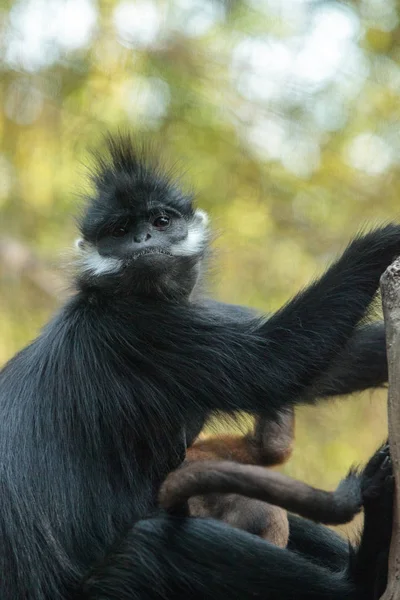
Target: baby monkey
224,477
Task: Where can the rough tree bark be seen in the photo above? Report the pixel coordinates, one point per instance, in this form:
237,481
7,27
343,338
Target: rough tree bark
390,289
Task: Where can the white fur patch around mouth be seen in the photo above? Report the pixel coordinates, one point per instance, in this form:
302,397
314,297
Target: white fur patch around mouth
100,265
91,262
197,236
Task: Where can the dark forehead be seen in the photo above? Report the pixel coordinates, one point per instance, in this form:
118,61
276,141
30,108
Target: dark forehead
131,182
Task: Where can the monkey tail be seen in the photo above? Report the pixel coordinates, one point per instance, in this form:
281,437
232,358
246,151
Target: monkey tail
226,477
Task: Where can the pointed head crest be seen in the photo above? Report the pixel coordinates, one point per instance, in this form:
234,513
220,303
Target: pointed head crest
128,180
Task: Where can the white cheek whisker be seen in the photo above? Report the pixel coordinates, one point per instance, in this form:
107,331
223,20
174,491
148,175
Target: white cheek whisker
91,262
197,236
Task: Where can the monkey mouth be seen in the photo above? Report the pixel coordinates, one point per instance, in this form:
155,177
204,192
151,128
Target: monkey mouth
150,252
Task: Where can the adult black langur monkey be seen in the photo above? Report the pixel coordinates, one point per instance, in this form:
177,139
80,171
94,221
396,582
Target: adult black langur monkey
93,413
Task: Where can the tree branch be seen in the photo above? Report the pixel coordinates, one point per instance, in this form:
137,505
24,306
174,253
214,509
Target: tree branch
390,289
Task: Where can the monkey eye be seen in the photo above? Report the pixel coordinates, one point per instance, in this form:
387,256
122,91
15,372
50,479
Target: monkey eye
119,231
161,222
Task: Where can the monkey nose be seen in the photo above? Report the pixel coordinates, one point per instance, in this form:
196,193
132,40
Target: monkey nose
139,238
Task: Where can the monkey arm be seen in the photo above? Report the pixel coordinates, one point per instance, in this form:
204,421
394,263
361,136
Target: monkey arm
300,341
273,439
360,365
224,477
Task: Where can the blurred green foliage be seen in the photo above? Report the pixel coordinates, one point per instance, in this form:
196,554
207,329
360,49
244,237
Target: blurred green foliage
283,113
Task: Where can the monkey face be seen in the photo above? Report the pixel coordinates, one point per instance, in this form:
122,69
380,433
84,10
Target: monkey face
139,229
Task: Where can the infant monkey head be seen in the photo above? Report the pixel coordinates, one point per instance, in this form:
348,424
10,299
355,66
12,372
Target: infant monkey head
140,232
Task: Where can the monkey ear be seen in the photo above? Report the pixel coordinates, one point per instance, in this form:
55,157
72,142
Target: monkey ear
201,217
79,244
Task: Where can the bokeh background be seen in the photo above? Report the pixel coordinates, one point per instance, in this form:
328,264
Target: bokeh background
283,113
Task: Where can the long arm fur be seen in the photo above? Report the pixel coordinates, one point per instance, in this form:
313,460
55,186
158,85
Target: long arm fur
360,365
